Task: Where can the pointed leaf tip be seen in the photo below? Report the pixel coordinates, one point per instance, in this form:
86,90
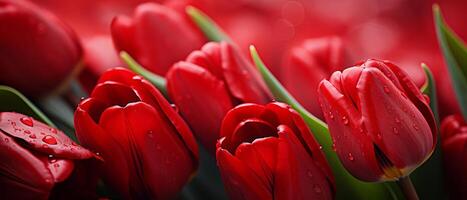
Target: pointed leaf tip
134,66
209,28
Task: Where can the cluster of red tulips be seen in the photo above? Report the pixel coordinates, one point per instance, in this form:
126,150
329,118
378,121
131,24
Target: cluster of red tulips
120,99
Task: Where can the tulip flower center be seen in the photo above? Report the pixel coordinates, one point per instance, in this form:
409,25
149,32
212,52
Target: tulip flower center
248,131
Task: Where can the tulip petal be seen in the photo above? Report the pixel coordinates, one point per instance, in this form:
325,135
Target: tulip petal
209,57
149,94
41,137
95,138
242,79
118,74
114,93
239,181
397,126
25,176
354,147
59,168
186,81
247,131
311,181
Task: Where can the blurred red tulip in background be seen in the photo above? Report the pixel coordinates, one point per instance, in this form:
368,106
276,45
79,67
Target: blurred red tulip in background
156,36
308,64
381,124
454,147
268,152
35,158
38,53
148,149
209,83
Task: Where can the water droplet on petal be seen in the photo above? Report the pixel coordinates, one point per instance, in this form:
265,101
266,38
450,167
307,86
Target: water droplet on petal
174,107
56,165
331,115
26,121
33,136
27,132
395,130
415,127
386,89
150,133
74,144
398,120
350,157
7,140
53,130
379,136
82,98
309,174
137,78
51,156
317,189
49,140
320,147
52,160
334,147
345,120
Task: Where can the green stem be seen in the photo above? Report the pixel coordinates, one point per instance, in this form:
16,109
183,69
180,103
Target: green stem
407,188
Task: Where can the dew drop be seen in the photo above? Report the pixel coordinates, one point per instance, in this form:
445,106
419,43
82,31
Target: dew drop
150,133
56,165
309,174
334,147
26,121
398,120
74,144
27,132
82,98
137,78
386,89
379,136
320,147
174,107
395,131
33,136
51,156
317,189
53,130
350,157
345,120
415,127
49,140
331,115
7,140
52,160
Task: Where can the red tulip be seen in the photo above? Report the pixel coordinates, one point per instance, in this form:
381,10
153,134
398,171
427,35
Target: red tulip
156,36
209,83
308,64
381,124
148,149
268,152
454,146
38,52
35,158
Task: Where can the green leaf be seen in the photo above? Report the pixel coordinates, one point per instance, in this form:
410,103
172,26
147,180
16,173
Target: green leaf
428,178
348,187
155,79
455,56
12,100
210,29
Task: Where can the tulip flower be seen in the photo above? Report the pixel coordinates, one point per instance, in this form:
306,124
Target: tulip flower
268,152
209,83
35,159
308,64
156,36
148,149
381,125
454,147
38,51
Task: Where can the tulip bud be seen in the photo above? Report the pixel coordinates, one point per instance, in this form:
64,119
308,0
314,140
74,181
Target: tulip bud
381,125
35,158
156,36
209,83
268,152
308,64
148,149
454,147
38,52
